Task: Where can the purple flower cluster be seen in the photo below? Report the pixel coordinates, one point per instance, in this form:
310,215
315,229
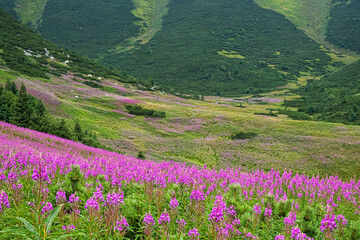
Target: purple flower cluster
279,237
328,223
268,212
114,199
40,175
164,218
298,235
181,223
174,203
46,208
193,232
60,197
73,198
197,195
121,225
257,209
4,200
148,219
217,213
92,203
69,227
290,220
341,220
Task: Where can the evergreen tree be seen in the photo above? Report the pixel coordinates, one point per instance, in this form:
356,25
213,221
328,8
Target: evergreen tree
41,118
7,100
11,86
79,135
62,130
22,111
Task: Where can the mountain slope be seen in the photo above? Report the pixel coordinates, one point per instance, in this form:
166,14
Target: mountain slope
227,47
24,51
210,47
344,25
334,98
309,16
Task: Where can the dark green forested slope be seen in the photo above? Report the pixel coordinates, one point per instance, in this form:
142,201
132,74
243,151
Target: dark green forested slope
334,98
184,54
24,51
89,26
344,25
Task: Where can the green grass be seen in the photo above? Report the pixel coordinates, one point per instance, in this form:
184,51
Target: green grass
309,16
281,143
30,12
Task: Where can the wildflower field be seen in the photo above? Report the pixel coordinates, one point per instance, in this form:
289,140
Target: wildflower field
53,188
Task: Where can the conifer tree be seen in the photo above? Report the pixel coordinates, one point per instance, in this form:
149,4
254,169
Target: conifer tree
22,111
11,86
79,135
7,100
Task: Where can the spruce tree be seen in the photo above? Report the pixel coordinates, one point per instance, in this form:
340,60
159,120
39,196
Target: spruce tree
79,135
7,100
62,130
22,111
11,86
41,118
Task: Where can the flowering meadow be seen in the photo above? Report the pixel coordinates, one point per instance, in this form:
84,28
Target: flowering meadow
51,188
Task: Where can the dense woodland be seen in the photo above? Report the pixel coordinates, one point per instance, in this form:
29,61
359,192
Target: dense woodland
334,98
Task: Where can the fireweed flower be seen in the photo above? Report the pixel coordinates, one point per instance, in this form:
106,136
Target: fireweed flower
328,223
121,225
181,222
295,232
69,227
148,219
174,203
193,232
60,197
217,213
98,195
164,218
4,200
268,212
73,198
92,204
46,208
257,209
114,199
280,237
290,220
341,220
197,195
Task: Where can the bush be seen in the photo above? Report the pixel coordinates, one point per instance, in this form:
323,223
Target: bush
244,135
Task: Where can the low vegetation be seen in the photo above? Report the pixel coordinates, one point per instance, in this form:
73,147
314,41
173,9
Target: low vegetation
53,188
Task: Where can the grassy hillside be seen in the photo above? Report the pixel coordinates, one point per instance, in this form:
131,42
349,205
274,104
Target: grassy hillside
309,16
334,98
223,47
344,25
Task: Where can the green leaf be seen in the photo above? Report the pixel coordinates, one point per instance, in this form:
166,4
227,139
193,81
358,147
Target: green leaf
17,232
69,235
29,227
49,220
